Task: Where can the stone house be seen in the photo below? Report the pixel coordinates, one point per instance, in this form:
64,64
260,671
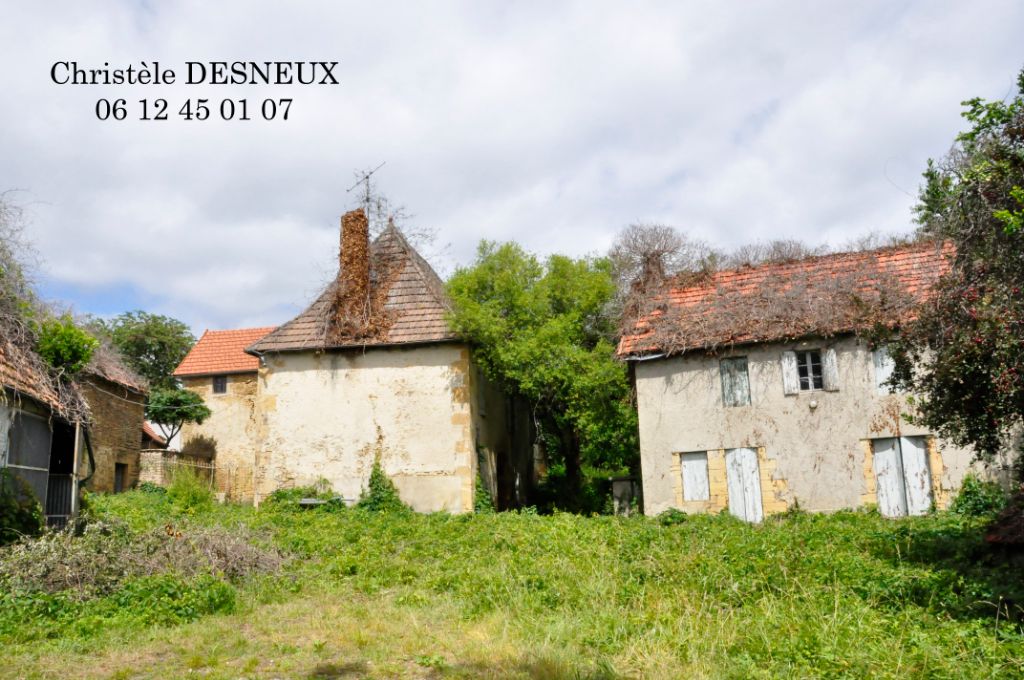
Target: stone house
116,396
218,369
370,371
757,389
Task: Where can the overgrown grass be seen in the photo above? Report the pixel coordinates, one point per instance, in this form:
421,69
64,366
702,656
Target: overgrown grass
383,594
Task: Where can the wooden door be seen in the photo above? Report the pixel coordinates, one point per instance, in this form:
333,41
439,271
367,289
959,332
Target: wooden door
743,480
916,475
892,496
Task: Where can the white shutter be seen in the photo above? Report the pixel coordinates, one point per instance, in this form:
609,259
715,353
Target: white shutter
883,370
830,371
790,377
695,476
916,475
744,484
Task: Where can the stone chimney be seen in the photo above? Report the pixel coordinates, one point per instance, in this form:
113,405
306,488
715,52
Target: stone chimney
354,266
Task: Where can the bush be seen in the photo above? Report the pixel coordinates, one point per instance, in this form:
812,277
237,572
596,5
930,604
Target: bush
65,346
150,487
482,501
20,514
188,492
380,495
978,498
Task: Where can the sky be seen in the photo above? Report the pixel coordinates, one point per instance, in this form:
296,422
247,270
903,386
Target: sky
551,124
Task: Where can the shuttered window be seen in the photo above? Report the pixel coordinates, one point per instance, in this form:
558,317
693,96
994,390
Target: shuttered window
883,370
220,384
810,370
735,381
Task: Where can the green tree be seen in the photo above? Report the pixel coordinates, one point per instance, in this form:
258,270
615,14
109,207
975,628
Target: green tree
170,408
543,330
964,355
153,344
64,346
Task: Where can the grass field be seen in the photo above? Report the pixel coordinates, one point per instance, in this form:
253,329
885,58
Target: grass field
366,594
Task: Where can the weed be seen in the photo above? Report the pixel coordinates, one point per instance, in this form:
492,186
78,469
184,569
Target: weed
978,498
188,492
380,494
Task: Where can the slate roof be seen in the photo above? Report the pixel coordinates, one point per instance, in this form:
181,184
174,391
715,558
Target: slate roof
824,295
222,352
414,303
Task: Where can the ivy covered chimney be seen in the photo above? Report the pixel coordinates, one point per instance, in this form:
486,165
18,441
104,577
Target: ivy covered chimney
354,268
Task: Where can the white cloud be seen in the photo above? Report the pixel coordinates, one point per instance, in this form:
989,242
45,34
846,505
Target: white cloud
552,124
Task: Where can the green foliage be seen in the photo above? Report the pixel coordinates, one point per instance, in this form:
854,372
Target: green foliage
170,408
20,514
543,330
150,487
964,355
188,492
63,345
979,498
380,494
153,344
482,501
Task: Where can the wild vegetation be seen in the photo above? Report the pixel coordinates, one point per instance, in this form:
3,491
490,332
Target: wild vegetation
152,588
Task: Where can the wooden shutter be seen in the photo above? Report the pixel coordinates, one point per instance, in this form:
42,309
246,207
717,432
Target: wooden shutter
883,370
888,468
790,377
743,482
830,371
735,382
916,475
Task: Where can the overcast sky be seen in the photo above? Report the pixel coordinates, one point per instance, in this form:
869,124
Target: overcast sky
553,124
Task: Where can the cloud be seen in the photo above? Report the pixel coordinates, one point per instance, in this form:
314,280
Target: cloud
551,124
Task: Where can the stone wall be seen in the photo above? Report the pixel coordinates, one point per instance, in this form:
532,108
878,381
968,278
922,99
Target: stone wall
233,428
116,431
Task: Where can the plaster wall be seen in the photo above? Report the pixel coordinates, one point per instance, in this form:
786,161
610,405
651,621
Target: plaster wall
330,415
818,456
233,426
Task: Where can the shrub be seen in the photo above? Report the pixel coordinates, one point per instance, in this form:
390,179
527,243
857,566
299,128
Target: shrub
65,346
482,501
20,514
188,492
150,487
380,494
978,497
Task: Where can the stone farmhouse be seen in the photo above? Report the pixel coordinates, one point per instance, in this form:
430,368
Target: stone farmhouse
759,390
370,371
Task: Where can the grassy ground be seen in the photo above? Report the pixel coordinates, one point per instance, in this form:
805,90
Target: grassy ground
510,595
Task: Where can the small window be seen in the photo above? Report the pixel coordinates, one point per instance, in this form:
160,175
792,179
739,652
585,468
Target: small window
808,367
694,468
220,384
735,381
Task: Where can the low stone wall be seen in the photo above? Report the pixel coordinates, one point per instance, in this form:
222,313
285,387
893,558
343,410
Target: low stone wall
156,466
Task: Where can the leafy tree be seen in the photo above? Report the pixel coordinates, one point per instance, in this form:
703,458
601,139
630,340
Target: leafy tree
64,346
543,330
153,344
171,408
964,355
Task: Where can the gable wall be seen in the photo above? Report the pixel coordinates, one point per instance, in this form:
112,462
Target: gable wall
819,456
329,415
233,427
116,431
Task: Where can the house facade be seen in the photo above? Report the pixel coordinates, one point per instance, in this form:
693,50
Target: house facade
370,372
758,390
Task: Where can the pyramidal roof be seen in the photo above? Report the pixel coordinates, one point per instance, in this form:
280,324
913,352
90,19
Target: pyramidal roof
408,291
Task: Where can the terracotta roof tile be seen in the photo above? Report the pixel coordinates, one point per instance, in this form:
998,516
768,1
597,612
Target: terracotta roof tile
414,302
219,352
821,293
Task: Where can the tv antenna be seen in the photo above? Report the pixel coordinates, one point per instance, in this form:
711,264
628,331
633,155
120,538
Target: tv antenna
364,179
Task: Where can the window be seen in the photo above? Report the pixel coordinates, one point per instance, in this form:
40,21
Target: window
694,468
220,384
735,381
808,368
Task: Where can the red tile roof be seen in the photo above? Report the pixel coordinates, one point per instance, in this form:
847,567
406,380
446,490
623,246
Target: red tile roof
219,352
148,431
822,295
